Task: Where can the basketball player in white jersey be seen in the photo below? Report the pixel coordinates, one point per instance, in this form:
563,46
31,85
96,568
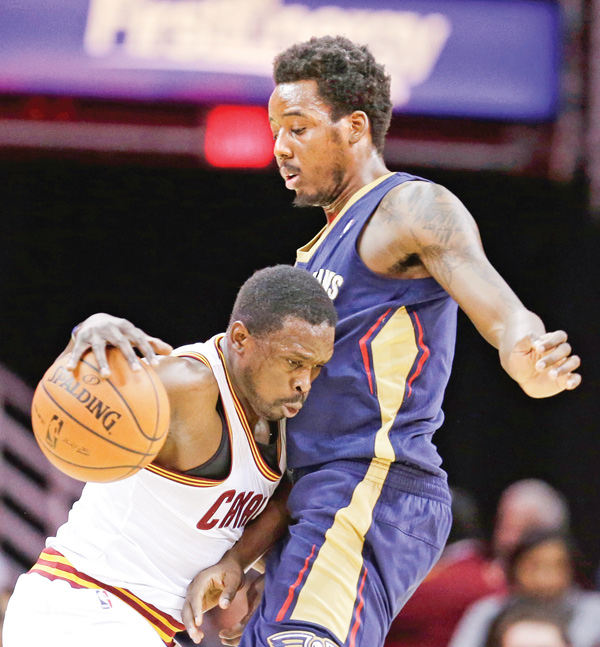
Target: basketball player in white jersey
117,572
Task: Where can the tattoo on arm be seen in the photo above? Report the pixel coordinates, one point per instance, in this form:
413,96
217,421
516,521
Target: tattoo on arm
436,212
433,213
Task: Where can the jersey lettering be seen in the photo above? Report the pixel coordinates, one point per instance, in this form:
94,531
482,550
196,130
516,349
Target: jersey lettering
330,281
207,523
243,507
236,507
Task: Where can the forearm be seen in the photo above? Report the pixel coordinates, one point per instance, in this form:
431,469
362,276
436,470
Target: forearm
263,533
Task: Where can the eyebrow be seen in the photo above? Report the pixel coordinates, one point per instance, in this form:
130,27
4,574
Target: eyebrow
299,355
291,113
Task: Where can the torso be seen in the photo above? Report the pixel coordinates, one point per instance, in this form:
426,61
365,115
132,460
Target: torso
394,342
152,532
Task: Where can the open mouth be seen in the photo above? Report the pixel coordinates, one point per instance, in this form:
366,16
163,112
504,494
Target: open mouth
290,176
290,180
291,409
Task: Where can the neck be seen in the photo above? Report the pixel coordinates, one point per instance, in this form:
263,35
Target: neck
359,175
236,383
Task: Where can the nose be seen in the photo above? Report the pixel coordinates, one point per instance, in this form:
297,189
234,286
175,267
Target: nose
302,382
282,150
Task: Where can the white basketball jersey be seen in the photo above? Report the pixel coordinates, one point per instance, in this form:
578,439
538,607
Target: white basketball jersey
153,532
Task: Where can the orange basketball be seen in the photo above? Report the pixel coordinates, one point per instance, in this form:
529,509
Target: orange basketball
95,429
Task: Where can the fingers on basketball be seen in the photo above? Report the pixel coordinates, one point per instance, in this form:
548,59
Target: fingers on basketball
100,430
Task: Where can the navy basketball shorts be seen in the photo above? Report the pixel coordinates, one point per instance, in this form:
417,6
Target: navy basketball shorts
364,535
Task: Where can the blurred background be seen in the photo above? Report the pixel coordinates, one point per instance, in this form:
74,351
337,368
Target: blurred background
136,177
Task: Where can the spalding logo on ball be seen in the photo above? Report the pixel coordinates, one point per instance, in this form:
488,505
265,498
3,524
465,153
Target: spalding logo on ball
95,429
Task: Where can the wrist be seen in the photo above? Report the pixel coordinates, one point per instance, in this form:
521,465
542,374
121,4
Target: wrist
239,558
75,331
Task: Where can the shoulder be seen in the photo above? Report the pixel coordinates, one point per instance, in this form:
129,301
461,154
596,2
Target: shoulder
418,199
429,218
474,623
585,600
183,377
195,427
487,607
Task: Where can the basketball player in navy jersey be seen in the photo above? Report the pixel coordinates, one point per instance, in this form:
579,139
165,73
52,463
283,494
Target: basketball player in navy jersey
118,570
370,506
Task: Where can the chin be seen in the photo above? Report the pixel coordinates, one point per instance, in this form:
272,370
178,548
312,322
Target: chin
311,200
303,201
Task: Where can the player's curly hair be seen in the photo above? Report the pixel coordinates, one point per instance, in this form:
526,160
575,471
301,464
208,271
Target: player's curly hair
347,75
274,293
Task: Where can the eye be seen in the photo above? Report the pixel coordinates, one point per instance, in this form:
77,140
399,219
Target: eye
298,131
294,363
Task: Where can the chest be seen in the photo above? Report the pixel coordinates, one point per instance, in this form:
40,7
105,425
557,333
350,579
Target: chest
361,245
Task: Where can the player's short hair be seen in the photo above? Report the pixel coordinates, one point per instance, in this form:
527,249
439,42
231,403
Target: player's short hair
272,294
347,75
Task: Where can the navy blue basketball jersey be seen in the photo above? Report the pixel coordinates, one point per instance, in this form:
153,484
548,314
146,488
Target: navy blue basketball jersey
381,394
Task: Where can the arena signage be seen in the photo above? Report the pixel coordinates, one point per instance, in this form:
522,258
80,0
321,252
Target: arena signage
488,59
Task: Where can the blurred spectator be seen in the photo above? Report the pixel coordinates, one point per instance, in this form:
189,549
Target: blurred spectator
6,586
526,505
530,623
463,575
4,597
540,567
523,506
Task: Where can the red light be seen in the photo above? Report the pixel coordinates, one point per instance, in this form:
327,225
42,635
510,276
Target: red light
49,108
238,137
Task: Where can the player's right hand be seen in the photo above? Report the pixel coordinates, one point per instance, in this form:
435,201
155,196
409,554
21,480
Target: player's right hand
232,636
102,330
214,585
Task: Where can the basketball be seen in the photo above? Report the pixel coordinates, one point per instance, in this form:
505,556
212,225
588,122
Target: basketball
100,429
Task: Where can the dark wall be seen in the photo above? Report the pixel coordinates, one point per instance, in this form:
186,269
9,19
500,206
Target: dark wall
168,248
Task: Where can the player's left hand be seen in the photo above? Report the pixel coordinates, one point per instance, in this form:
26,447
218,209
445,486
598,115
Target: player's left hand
101,330
214,585
233,635
544,365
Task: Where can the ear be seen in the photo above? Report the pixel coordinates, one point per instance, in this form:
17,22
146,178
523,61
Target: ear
359,126
239,336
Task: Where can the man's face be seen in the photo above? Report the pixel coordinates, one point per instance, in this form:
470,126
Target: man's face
310,148
277,369
544,571
515,517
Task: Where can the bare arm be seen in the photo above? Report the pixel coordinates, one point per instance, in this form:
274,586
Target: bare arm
428,221
219,584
